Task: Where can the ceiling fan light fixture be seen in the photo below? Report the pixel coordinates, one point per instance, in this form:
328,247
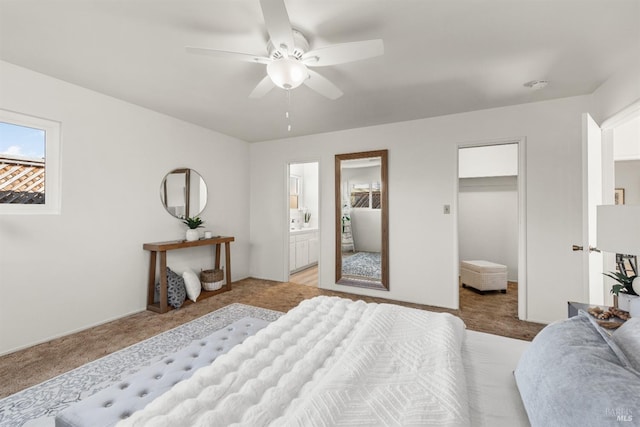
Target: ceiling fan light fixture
287,73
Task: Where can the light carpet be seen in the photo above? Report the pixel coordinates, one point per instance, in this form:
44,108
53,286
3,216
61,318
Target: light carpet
363,264
47,399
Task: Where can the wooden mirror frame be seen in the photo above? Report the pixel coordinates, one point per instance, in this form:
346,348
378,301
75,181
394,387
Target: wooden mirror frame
383,284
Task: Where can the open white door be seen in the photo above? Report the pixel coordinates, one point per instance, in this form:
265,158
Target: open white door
591,197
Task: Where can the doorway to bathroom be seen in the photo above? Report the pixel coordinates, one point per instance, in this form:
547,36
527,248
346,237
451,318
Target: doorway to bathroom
304,221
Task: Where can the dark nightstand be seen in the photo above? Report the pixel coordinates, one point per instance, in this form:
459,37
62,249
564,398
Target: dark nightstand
573,308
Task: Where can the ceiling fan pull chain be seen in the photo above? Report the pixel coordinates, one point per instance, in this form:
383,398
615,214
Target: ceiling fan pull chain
287,115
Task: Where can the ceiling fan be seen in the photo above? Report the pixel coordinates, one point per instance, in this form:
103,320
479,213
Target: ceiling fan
289,60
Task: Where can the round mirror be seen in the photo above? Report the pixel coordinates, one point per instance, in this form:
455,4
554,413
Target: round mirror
183,193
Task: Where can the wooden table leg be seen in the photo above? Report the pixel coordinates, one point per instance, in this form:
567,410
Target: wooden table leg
227,258
152,279
217,258
164,306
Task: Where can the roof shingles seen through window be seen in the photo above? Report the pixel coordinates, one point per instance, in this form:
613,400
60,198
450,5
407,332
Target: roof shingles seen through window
21,180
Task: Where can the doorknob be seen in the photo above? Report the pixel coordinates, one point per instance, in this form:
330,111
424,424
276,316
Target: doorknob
576,248
594,249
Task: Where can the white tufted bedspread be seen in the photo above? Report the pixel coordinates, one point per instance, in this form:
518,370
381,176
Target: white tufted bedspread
329,362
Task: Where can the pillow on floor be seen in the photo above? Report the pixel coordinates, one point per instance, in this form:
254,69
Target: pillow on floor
192,285
176,292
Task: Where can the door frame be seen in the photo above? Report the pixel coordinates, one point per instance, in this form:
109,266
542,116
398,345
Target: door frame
592,168
631,112
521,141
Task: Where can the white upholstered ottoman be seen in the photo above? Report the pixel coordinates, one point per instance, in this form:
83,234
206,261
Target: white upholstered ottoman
483,275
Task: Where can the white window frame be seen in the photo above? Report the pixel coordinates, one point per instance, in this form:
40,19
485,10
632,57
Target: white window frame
52,189
370,191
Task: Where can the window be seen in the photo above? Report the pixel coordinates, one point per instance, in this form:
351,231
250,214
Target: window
360,195
365,195
29,164
294,191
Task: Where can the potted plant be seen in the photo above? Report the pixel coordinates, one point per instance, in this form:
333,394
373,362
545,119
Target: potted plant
307,218
193,223
622,291
345,219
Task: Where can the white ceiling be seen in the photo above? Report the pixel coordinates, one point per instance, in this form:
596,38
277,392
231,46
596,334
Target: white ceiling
441,57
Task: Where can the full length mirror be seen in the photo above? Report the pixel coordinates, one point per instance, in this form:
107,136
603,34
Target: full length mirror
362,238
183,193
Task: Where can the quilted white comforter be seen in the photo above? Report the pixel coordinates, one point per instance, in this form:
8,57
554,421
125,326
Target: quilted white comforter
329,362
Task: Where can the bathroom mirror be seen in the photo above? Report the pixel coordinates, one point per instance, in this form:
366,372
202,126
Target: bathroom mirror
183,193
362,237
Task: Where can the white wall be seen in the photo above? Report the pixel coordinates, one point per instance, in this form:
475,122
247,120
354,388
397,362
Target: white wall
422,160
488,221
628,177
310,185
62,273
618,92
366,227
626,140
488,160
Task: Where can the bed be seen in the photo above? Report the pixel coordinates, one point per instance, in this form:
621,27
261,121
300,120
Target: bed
333,361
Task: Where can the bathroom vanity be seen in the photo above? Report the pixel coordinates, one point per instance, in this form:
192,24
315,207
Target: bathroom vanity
303,248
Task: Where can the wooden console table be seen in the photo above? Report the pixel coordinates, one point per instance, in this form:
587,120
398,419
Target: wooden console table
163,247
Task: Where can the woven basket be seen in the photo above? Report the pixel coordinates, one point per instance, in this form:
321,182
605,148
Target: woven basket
212,280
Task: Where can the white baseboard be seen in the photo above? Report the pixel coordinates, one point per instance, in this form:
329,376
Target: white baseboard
73,331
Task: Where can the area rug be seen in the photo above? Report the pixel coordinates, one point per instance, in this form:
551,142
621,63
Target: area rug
46,399
363,264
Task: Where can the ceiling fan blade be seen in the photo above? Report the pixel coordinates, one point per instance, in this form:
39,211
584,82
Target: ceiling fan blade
278,25
344,52
262,88
322,85
228,55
